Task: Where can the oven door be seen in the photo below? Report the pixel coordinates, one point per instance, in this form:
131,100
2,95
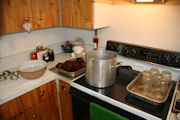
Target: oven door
81,106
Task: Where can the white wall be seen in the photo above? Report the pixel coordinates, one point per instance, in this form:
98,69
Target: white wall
149,25
15,48
21,42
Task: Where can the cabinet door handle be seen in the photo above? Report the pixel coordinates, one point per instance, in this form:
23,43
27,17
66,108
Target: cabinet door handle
85,17
67,105
34,116
64,89
42,94
40,18
26,19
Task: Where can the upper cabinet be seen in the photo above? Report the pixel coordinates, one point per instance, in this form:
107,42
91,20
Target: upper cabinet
45,13
13,13
41,14
90,14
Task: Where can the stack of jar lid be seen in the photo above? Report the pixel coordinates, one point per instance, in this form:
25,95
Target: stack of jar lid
41,53
7,74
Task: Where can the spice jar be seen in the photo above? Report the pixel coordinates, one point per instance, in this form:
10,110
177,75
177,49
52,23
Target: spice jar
40,51
39,48
45,57
51,55
33,56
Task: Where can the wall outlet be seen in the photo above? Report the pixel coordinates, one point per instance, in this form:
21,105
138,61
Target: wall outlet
12,45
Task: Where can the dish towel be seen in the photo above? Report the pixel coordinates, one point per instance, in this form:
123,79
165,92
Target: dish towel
98,112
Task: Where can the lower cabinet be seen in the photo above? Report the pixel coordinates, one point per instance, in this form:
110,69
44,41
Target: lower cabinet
45,110
11,109
20,116
38,104
65,101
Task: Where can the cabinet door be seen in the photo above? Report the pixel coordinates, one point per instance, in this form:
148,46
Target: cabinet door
67,12
13,14
39,94
77,13
45,13
84,14
11,109
65,100
20,116
45,110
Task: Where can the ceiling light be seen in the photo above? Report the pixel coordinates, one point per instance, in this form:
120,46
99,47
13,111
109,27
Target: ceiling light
148,1
144,0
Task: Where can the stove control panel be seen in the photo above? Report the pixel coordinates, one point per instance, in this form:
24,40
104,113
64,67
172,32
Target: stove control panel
163,57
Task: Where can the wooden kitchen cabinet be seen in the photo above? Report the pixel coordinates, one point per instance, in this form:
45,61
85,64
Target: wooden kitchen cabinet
90,14
45,13
20,116
11,109
39,94
12,15
65,101
40,103
41,13
45,110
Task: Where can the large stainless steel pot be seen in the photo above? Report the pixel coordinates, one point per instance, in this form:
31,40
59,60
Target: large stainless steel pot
101,68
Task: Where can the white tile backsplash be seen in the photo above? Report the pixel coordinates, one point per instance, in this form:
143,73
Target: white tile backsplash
15,48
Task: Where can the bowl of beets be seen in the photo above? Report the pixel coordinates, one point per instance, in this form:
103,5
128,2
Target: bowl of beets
67,47
72,65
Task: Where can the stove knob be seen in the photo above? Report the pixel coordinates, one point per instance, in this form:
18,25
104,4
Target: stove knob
133,52
165,59
126,51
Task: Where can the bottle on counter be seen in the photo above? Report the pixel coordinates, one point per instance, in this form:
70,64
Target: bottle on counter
51,54
46,57
95,40
40,51
34,55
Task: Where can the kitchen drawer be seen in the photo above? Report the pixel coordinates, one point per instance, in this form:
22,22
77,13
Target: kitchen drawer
20,116
39,94
11,109
45,110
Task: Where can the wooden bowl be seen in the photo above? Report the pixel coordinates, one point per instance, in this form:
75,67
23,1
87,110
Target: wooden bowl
32,69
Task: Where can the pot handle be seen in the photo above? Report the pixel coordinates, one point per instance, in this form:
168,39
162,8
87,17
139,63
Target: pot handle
118,64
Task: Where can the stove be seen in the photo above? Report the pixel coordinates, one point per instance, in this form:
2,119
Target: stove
116,97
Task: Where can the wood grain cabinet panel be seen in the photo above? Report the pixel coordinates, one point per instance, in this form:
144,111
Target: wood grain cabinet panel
66,101
45,110
89,14
13,13
41,13
35,96
45,13
76,13
20,116
11,109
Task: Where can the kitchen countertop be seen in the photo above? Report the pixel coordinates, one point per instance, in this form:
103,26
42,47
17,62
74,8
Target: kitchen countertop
10,89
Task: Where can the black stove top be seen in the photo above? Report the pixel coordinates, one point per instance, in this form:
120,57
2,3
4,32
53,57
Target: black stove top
118,92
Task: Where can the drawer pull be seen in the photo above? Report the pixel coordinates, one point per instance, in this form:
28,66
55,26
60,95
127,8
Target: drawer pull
67,105
40,18
42,94
85,17
64,89
34,116
26,19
